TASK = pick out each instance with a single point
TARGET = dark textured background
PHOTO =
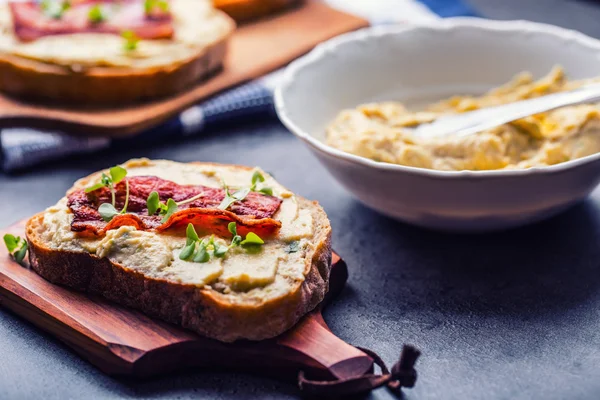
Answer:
(511, 315)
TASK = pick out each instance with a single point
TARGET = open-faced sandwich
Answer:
(223, 250)
(108, 51)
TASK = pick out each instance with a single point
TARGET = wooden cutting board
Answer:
(121, 341)
(255, 49)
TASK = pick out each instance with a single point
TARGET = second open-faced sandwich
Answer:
(223, 250)
(108, 51)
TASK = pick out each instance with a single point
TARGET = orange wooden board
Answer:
(122, 341)
(255, 49)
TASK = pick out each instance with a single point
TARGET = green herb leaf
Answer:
(219, 250)
(267, 190)
(105, 179)
(20, 254)
(11, 242)
(107, 211)
(237, 239)
(153, 203)
(257, 177)
(171, 208)
(96, 15)
(232, 198)
(232, 227)
(163, 5)
(95, 187)
(227, 201)
(191, 234)
(241, 194)
(187, 251)
(117, 173)
(293, 247)
(150, 5)
(131, 40)
(201, 255)
(252, 239)
(55, 9)
(17, 247)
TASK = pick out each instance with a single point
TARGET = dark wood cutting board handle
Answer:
(313, 339)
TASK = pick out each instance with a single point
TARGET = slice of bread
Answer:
(96, 69)
(242, 296)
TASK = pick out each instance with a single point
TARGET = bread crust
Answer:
(38, 81)
(202, 310)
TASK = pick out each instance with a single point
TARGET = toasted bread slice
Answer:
(242, 296)
(96, 69)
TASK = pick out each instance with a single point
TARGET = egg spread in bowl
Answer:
(379, 131)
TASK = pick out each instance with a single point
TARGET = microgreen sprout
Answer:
(257, 178)
(154, 204)
(131, 40)
(55, 9)
(115, 175)
(252, 240)
(239, 195)
(229, 199)
(17, 247)
(236, 239)
(151, 5)
(218, 249)
(96, 14)
(108, 211)
(252, 243)
(200, 250)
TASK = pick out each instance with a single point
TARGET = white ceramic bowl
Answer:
(422, 63)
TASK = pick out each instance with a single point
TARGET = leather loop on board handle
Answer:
(403, 374)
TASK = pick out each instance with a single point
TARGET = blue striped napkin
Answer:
(24, 147)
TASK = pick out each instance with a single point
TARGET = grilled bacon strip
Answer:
(30, 21)
(251, 214)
